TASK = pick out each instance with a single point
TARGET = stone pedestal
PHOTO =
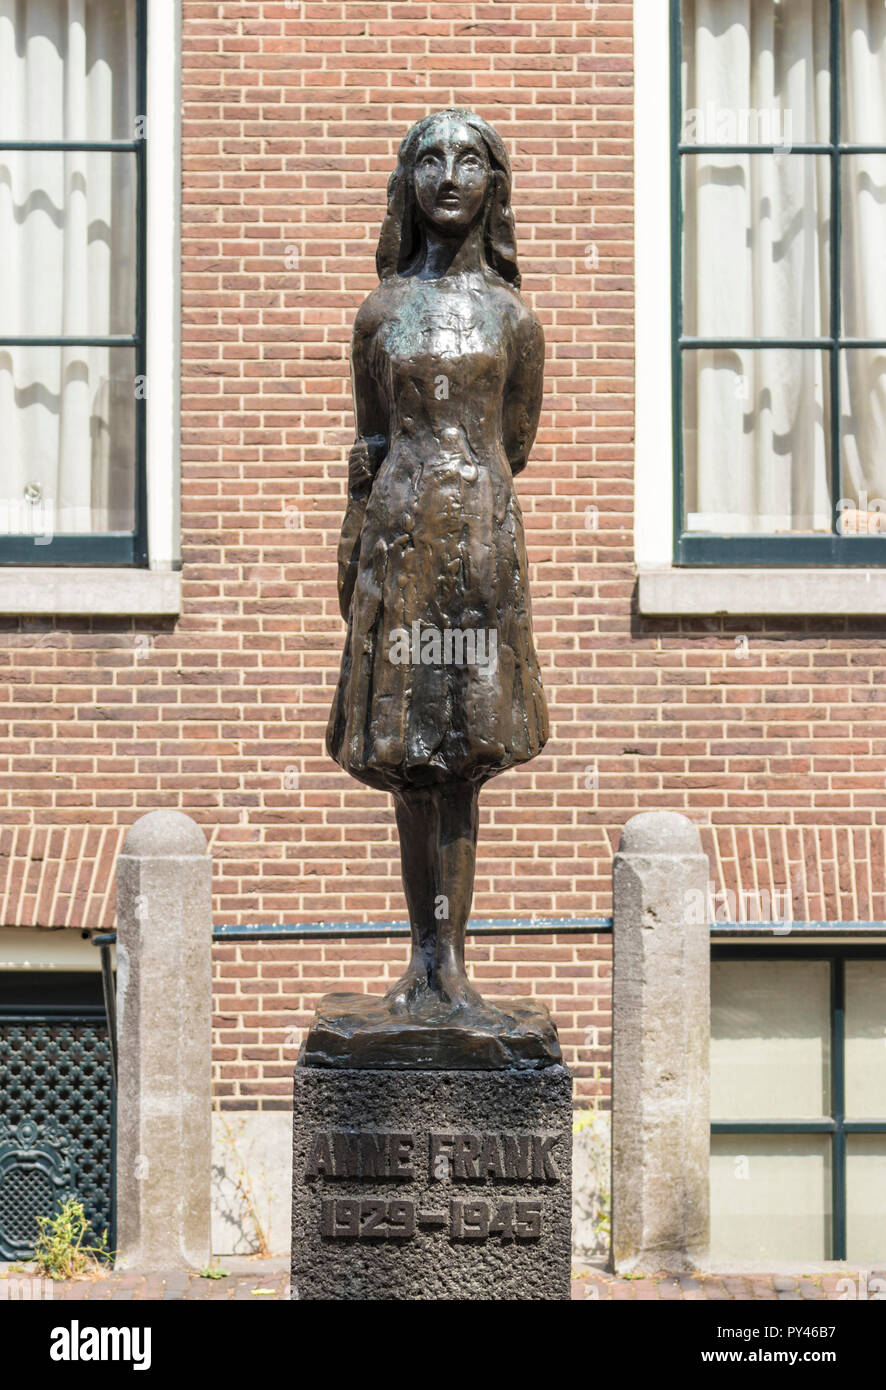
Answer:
(431, 1184)
(360, 1030)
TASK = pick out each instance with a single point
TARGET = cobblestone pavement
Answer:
(724, 1287)
(253, 1281)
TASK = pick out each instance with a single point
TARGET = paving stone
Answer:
(175, 1282)
(195, 1290)
(585, 1291)
(592, 1287)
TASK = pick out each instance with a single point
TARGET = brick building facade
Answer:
(769, 732)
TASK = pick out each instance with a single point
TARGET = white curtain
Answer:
(67, 266)
(756, 263)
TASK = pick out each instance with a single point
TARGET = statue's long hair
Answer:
(400, 238)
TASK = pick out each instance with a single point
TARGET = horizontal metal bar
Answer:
(490, 927)
(111, 341)
(108, 548)
(711, 344)
(822, 1126)
(87, 1013)
(756, 149)
(807, 949)
(794, 344)
(814, 148)
(502, 927)
(783, 930)
(69, 536)
(779, 551)
(72, 146)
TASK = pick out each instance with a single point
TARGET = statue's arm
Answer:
(364, 460)
(370, 409)
(523, 391)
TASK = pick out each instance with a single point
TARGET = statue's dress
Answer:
(441, 546)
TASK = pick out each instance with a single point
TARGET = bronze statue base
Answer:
(361, 1031)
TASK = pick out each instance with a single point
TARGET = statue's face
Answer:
(452, 174)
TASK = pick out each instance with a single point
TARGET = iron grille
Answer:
(56, 1126)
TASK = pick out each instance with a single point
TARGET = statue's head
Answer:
(452, 173)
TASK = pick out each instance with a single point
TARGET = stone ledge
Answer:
(89, 590)
(712, 592)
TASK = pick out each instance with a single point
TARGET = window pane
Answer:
(68, 232)
(756, 438)
(864, 72)
(864, 245)
(756, 72)
(770, 1040)
(67, 421)
(770, 1197)
(66, 80)
(865, 1204)
(756, 246)
(866, 1042)
(862, 502)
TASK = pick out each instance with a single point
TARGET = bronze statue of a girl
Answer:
(440, 686)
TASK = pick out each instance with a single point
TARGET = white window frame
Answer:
(156, 590)
(665, 589)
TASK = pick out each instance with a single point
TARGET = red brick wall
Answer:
(292, 115)
(292, 119)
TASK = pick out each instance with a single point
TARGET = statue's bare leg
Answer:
(458, 820)
(417, 826)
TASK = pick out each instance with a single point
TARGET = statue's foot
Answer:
(452, 987)
(410, 991)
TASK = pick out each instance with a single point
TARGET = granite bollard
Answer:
(660, 1047)
(164, 999)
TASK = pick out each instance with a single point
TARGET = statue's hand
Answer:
(364, 461)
